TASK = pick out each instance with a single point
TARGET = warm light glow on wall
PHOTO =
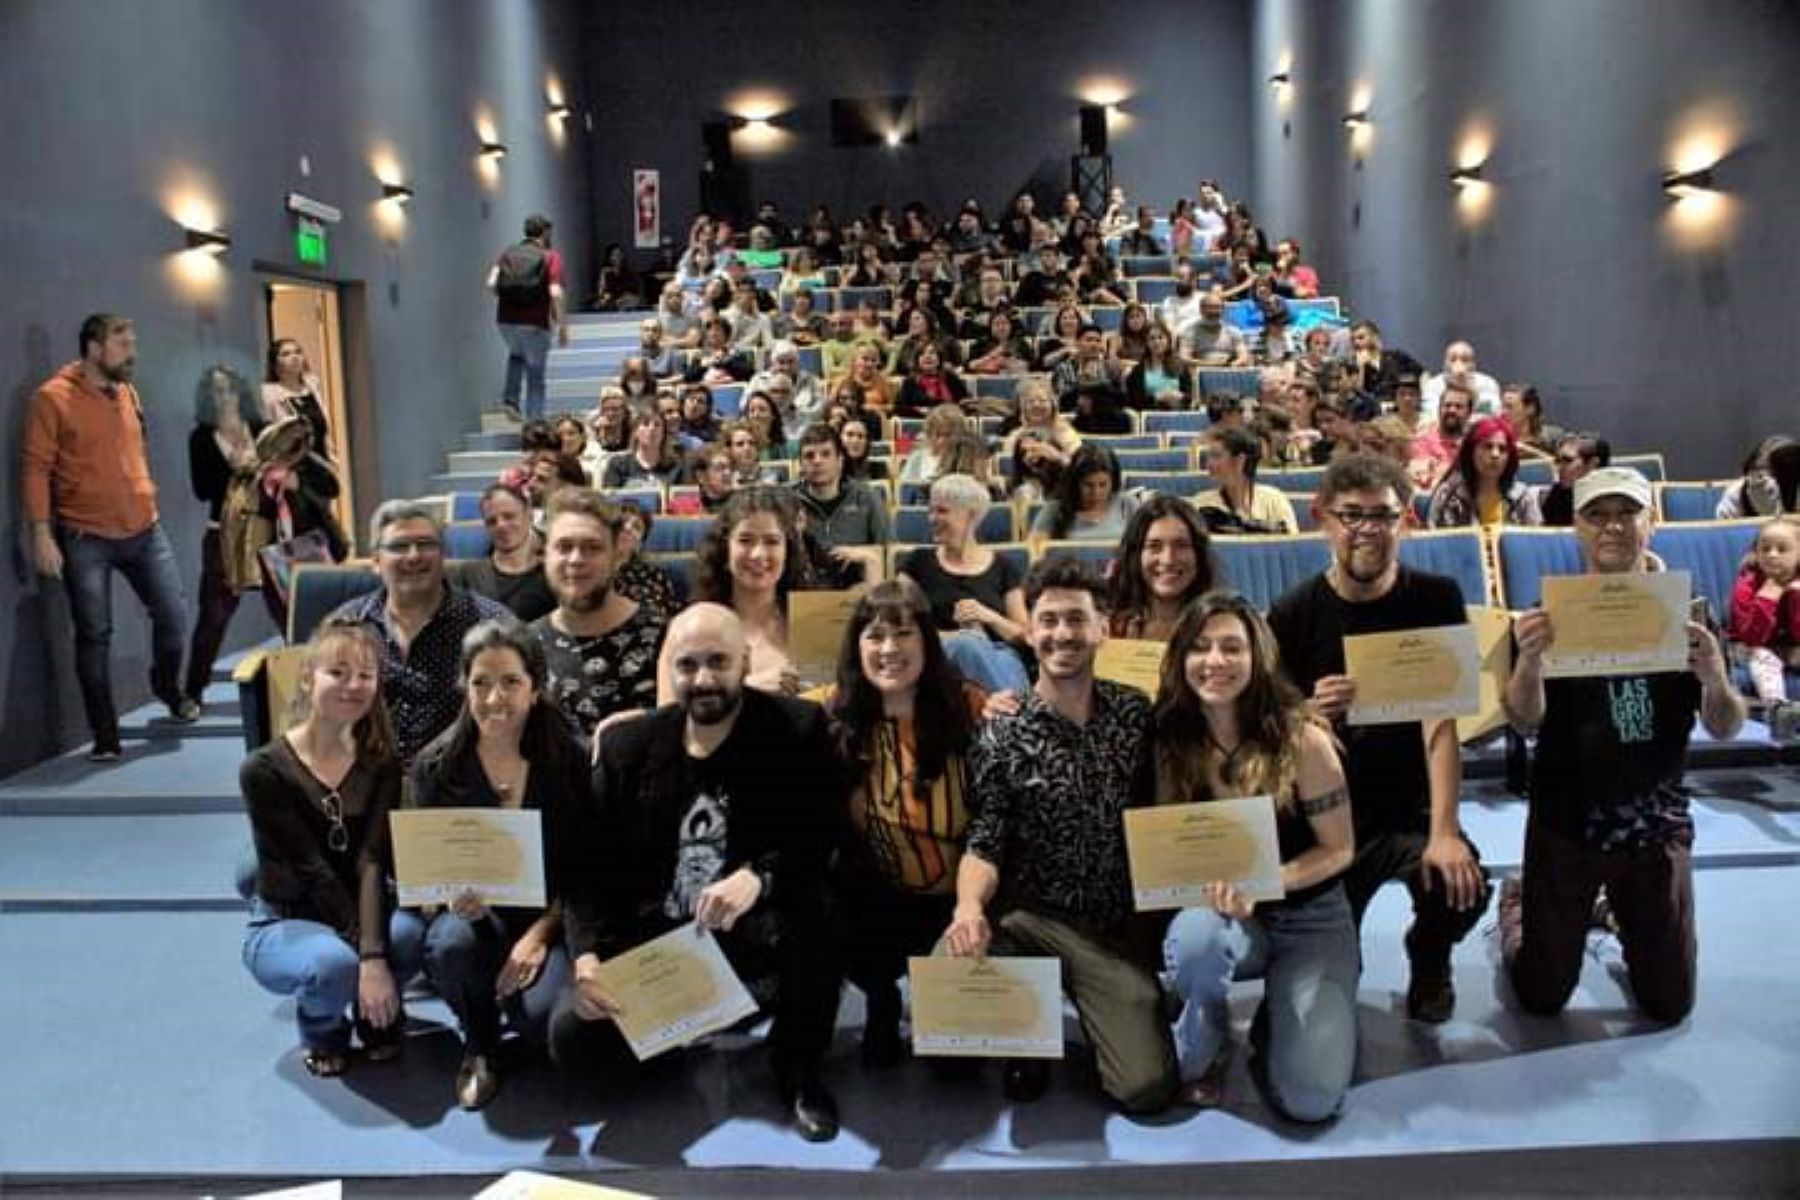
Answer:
(1474, 191)
(1109, 91)
(1358, 121)
(1282, 80)
(1701, 217)
(487, 133)
(196, 272)
(754, 130)
(556, 111)
(389, 211)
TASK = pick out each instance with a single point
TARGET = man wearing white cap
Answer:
(1607, 808)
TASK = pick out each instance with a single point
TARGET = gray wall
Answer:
(997, 87)
(115, 103)
(1633, 318)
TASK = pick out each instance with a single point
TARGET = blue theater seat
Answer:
(466, 539)
(1237, 381)
(1263, 569)
(1711, 551)
(1155, 460)
(1152, 290)
(1097, 555)
(1187, 422)
(676, 535)
(681, 568)
(1537, 471)
(849, 298)
(1296, 481)
(1185, 484)
(318, 588)
(1457, 553)
(1118, 443)
(1146, 264)
(997, 387)
(648, 500)
(1107, 316)
(1689, 501)
(465, 506)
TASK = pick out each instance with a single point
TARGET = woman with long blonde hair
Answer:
(1228, 724)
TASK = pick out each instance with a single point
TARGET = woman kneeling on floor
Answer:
(1227, 724)
(322, 929)
(508, 748)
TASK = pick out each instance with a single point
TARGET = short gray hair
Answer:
(961, 491)
(392, 512)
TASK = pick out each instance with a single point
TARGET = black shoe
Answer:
(814, 1111)
(1025, 1080)
(104, 751)
(1431, 995)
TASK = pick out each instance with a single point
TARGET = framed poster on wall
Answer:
(646, 205)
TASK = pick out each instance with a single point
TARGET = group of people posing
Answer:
(826, 829)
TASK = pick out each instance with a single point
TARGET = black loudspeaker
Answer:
(1093, 129)
(716, 137)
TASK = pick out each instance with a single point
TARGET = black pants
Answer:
(212, 617)
(883, 927)
(793, 943)
(1436, 926)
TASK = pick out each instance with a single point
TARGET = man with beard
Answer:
(1046, 849)
(1180, 308)
(1405, 779)
(513, 571)
(92, 508)
(1043, 283)
(1434, 451)
(1209, 341)
(717, 809)
(601, 645)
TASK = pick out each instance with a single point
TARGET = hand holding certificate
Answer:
(495, 853)
(1413, 675)
(1610, 624)
(672, 990)
(987, 1007)
(816, 624)
(1134, 662)
(1176, 850)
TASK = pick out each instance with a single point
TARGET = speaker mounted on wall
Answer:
(875, 121)
(1093, 130)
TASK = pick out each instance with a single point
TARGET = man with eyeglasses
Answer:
(1577, 454)
(1405, 779)
(421, 621)
(1607, 806)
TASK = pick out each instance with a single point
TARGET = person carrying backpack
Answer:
(527, 286)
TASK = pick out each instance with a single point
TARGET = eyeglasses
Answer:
(1614, 518)
(1371, 518)
(399, 549)
(1568, 460)
(337, 835)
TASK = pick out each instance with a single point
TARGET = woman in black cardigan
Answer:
(227, 418)
(510, 747)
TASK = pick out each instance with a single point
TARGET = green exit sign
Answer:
(309, 242)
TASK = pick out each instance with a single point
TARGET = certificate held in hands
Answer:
(987, 1007)
(496, 853)
(674, 989)
(1413, 675)
(1177, 849)
(816, 624)
(1617, 624)
(1134, 662)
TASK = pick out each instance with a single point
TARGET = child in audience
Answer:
(322, 929)
(1765, 620)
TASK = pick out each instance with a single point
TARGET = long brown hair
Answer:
(1270, 711)
(374, 732)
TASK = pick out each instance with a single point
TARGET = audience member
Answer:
(1002, 349)
(662, 357)
(1088, 505)
(420, 621)
(1483, 488)
(930, 384)
(1091, 384)
(1228, 724)
(227, 418)
(634, 576)
(857, 436)
(508, 749)
(802, 324)
(1164, 561)
(840, 512)
(1240, 504)
(1523, 409)
(680, 330)
(291, 389)
(528, 292)
(718, 810)
(750, 561)
(92, 508)
(1770, 484)
(1607, 806)
(1131, 341)
(1435, 452)
(513, 570)
(718, 360)
(974, 594)
(1764, 624)
(651, 461)
(1405, 778)
(1459, 367)
(1161, 378)
(1576, 455)
(1209, 341)
(865, 387)
(924, 462)
(1044, 870)
(1139, 239)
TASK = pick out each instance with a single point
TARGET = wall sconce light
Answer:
(892, 137)
(399, 193)
(1356, 120)
(493, 150)
(1464, 177)
(559, 110)
(1281, 79)
(1680, 184)
(207, 241)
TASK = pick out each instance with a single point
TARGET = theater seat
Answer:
(1712, 551)
(1527, 555)
(466, 539)
(648, 500)
(1296, 481)
(465, 506)
(1263, 569)
(1457, 553)
(1689, 501)
(1186, 422)
(1155, 460)
(1650, 466)
(1097, 555)
(1186, 484)
(1134, 265)
(681, 569)
(1152, 289)
(1537, 471)
(671, 535)
(913, 525)
(1120, 442)
(319, 588)
(1237, 381)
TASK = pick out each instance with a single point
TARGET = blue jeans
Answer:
(993, 665)
(1307, 956)
(312, 963)
(147, 562)
(527, 350)
(463, 961)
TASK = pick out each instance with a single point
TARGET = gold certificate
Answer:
(816, 624)
(1493, 639)
(1617, 624)
(1131, 661)
(987, 1007)
(1413, 675)
(530, 1185)
(1177, 849)
(497, 853)
(674, 989)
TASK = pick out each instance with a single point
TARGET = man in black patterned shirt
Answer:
(1047, 846)
(602, 647)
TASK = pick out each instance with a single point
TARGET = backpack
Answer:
(523, 273)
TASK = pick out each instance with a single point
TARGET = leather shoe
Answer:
(814, 1111)
(1026, 1079)
(477, 1080)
